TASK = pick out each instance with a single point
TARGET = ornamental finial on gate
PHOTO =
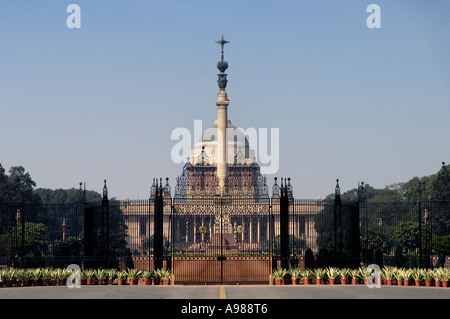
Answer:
(337, 190)
(105, 191)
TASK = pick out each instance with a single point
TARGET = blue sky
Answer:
(100, 102)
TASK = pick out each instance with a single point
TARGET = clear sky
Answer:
(100, 102)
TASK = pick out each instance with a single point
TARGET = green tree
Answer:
(406, 234)
(65, 196)
(34, 234)
(17, 186)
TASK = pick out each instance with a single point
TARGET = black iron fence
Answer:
(221, 233)
(33, 235)
(405, 234)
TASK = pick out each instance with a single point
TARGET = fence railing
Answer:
(397, 234)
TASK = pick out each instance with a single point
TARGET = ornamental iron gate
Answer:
(221, 239)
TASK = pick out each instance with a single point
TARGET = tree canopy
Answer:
(433, 187)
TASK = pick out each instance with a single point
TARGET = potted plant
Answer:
(83, 280)
(35, 275)
(332, 274)
(416, 274)
(278, 275)
(147, 277)
(388, 274)
(364, 274)
(307, 275)
(344, 274)
(320, 274)
(407, 274)
(427, 276)
(90, 276)
(45, 276)
(19, 277)
(436, 273)
(399, 275)
(111, 275)
(445, 277)
(295, 273)
(133, 275)
(9, 276)
(164, 275)
(2, 278)
(100, 274)
(354, 274)
(61, 275)
(53, 274)
(121, 277)
(26, 277)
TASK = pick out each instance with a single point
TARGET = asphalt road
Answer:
(249, 292)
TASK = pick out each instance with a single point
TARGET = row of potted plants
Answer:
(15, 277)
(388, 275)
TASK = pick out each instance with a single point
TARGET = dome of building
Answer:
(238, 145)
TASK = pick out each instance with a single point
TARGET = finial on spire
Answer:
(222, 65)
(222, 42)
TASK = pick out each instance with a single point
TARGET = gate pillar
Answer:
(284, 227)
(158, 227)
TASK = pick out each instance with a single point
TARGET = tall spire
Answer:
(222, 120)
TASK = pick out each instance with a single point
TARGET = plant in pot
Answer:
(9, 277)
(364, 274)
(407, 275)
(344, 274)
(61, 275)
(416, 274)
(445, 277)
(354, 274)
(319, 274)
(45, 276)
(35, 276)
(83, 280)
(19, 277)
(53, 277)
(121, 277)
(2, 278)
(398, 276)
(26, 277)
(295, 273)
(278, 275)
(332, 274)
(111, 275)
(147, 277)
(164, 275)
(133, 275)
(436, 273)
(100, 275)
(307, 275)
(388, 274)
(89, 275)
(427, 275)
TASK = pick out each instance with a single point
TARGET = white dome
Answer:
(238, 145)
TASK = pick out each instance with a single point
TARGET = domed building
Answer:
(221, 206)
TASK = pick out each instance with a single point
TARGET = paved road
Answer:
(226, 292)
